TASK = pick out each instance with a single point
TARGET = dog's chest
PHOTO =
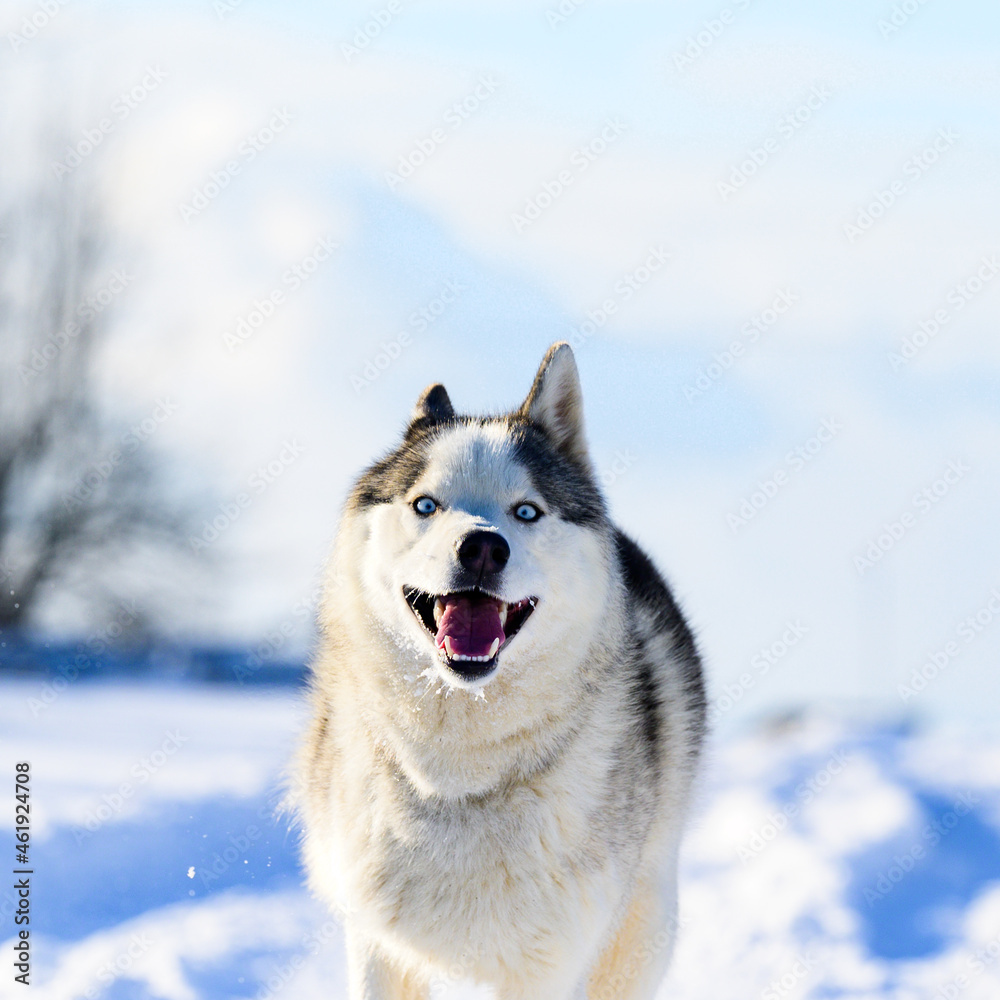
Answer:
(483, 881)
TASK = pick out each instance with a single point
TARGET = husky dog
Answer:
(508, 709)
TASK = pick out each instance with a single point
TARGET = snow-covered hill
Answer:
(828, 859)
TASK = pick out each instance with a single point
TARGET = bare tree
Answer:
(77, 496)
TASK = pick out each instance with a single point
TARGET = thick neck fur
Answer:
(450, 742)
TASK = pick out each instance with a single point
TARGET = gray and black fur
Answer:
(523, 821)
(566, 480)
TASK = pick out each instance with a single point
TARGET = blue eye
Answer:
(527, 512)
(424, 506)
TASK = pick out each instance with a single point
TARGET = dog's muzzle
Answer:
(469, 627)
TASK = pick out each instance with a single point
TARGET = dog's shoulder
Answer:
(650, 593)
(658, 617)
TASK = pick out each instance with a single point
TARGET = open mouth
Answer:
(469, 627)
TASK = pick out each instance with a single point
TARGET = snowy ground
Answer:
(828, 859)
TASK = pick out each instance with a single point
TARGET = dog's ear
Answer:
(432, 406)
(555, 402)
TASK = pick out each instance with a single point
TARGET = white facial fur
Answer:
(477, 483)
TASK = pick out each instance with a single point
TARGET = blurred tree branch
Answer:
(73, 496)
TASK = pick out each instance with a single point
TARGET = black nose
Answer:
(484, 552)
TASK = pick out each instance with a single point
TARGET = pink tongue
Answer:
(472, 624)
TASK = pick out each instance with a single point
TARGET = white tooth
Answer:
(447, 646)
(503, 615)
(493, 649)
(438, 610)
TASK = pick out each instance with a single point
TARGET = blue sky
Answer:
(879, 105)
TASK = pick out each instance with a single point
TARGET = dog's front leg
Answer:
(566, 984)
(634, 960)
(372, 976)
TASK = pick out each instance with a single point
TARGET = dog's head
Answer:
(482, 540)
